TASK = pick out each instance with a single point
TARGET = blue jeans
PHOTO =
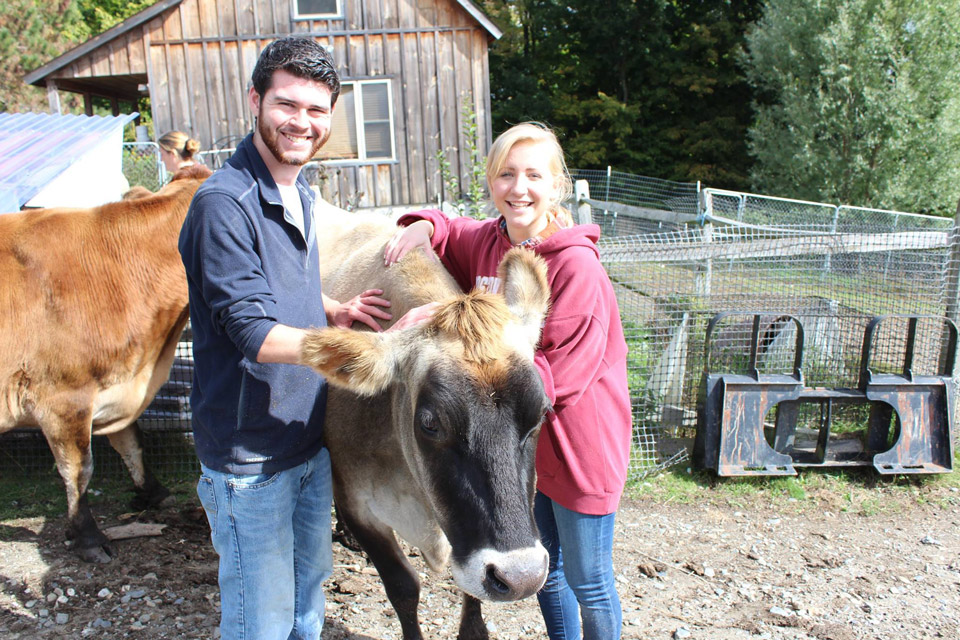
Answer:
(580, 582)
(272, 533)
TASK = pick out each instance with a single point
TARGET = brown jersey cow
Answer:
(93, 303)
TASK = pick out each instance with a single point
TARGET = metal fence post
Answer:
(952, 278)
(581, 193)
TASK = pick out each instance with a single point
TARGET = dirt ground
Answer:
(820, 568)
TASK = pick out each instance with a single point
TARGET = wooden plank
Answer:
(391, 14)
(100, 62)
(209, 18)
(282, 11)
(447, 100)
(416, 147)
(245, 13)
(267, 23)
(226, 18)
(464, 83)
(374, 54)
(121, 55)
(250, 51)
(393, 61)
(234, 88)
(407, 14)
(137, 51)
(382, 188)
(180, 89)
(373, 14)
(172, 26)
(367, 185)
(161, 97)
(431, 115)
(190, 19)
(214, 86)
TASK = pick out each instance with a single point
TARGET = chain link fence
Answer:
(832, 267)
(142, 165)
(678, 254)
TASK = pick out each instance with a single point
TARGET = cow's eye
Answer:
(428, 424)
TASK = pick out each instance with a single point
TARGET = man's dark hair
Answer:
(298, 56)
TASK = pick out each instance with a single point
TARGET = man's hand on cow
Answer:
(364, 308)
(417, 315)
(416, 235)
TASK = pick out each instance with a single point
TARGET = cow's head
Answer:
(467, 403)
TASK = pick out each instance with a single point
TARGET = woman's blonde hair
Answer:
(532, 132)
(181, 143)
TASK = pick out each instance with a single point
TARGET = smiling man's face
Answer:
(293, 118)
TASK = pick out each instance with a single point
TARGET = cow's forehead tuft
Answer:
(477, 321)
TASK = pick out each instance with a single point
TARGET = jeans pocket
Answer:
(208, 500)
(252, 482)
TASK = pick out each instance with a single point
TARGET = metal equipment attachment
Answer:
(733, 440)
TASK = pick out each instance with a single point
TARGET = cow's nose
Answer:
(516, 575)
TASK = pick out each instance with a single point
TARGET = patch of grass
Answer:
(860, 491)
(42, 495)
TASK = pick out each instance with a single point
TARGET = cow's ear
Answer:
(355, 360)
(525, 287)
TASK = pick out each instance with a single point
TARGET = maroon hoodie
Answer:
(584, 445)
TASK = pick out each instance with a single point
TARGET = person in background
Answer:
(584, 445)
(177, 150)
(249, 247)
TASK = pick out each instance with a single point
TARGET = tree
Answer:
(647, 86)
(857, 102)
(33, 33)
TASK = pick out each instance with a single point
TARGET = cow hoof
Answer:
(99, 554)
(143, 500)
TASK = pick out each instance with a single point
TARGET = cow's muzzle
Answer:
(502, 576)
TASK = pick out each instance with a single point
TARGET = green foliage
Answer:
(857, 102)
(33, 33)
(647, 86)
(470, 198)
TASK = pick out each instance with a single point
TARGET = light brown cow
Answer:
(93, 303)
(441, 447)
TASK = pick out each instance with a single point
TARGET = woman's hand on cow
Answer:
(407, 238)
(417, 315)
(364, 308)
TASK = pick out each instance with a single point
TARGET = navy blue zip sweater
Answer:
(249, 268)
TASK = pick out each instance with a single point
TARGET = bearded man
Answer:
(249, 246)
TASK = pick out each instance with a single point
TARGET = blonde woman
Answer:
(584, 444)
(177, 150)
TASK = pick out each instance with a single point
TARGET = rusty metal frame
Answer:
(732, 441)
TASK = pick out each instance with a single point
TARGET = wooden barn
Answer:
(408, 69)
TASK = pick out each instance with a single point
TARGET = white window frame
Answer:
(358, 124)
(316, 16)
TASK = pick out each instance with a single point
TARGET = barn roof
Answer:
(35, 148)
(39, 76)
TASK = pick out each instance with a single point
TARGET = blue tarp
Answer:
(35, 148)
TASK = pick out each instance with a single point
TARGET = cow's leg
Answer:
(148, 492)
(399, 578)
(70, 444)
(472, 626)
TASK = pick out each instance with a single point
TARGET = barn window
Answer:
(362, 127)
(317, 8)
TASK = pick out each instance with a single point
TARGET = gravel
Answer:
(811, 570)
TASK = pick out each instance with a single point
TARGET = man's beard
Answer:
(270, 139)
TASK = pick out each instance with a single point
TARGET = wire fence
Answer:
(678, 254)
(142, 165)
(832, 267)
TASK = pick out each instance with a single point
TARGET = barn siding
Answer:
(199, 55)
